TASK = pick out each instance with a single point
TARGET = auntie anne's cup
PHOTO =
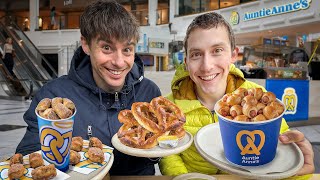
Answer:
(250, 143)
(55, 138)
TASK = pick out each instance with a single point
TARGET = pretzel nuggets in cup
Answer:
(55, 121)
(146, 122)
(250, 129)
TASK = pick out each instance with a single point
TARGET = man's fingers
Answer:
(308, 154)
(291, 136)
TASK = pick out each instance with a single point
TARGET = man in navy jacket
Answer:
(105, 77)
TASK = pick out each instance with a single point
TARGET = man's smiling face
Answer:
(209, 56)
(111, 61)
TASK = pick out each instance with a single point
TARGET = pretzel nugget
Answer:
(55, 101)
(279, 107)
(35, 160)
(95, 142)
(69, 104)
(74, 157)
(16, 171)
(96, 155)
(49, 114)
(44, 172)
(43, 104)
(77, 143)
(62, 111)
(16, 159)
(258, 118)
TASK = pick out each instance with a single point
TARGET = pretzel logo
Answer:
(53, 146)
(250, 148)
(290, 99)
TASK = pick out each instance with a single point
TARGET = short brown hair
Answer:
(208, 21)
(108, 19)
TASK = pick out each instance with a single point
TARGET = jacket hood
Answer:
(81, 66)
(183, 87)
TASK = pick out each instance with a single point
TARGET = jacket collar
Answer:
(183, 87)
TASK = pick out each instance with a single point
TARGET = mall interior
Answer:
(278, 46)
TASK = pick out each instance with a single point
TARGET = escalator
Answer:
(30, 64)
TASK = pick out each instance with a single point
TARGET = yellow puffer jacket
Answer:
(197, 116)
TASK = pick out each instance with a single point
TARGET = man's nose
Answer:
(118, 59)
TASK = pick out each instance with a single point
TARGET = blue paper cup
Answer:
(55, 138)
(250, 143)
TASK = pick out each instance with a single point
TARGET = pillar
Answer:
(34, 14)
(152, 8)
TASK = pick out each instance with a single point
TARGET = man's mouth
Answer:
(115, 72)
(208, 78)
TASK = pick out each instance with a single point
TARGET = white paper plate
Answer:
(288, 160)
(183, 144)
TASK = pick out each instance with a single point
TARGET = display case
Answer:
(276, 62)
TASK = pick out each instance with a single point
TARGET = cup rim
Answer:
(56, 120)
(259, 122)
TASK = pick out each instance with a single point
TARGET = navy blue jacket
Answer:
(95, 107)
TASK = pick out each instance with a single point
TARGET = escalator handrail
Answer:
(42, 57)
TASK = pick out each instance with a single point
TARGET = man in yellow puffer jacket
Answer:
(207, 74)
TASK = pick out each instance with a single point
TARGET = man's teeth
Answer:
(208, 78)
(115, 72)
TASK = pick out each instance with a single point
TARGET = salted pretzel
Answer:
(132, 134)
(146, 117)
(168, 113)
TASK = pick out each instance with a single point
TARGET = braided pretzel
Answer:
(146, 117)
(165, 110)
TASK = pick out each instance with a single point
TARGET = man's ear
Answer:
(234, 56)
(185, 63)
(85, 45)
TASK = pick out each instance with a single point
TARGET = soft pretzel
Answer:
(256, 92)
(168, 113)
(146, 117)
(179, 132)
(268, 97)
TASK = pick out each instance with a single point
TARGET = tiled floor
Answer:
(11, 113)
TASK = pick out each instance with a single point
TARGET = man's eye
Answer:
(195, 55)
(218, 50)
(108, 48)
(128, 51)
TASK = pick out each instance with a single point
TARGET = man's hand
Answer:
(304, 145)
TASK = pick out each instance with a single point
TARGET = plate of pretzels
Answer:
(152, 129)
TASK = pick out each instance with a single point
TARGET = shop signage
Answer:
(156, 45)
(234, 18)
(276, 10)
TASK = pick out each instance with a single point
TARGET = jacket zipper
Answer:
(116, 97)
(89, 131)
